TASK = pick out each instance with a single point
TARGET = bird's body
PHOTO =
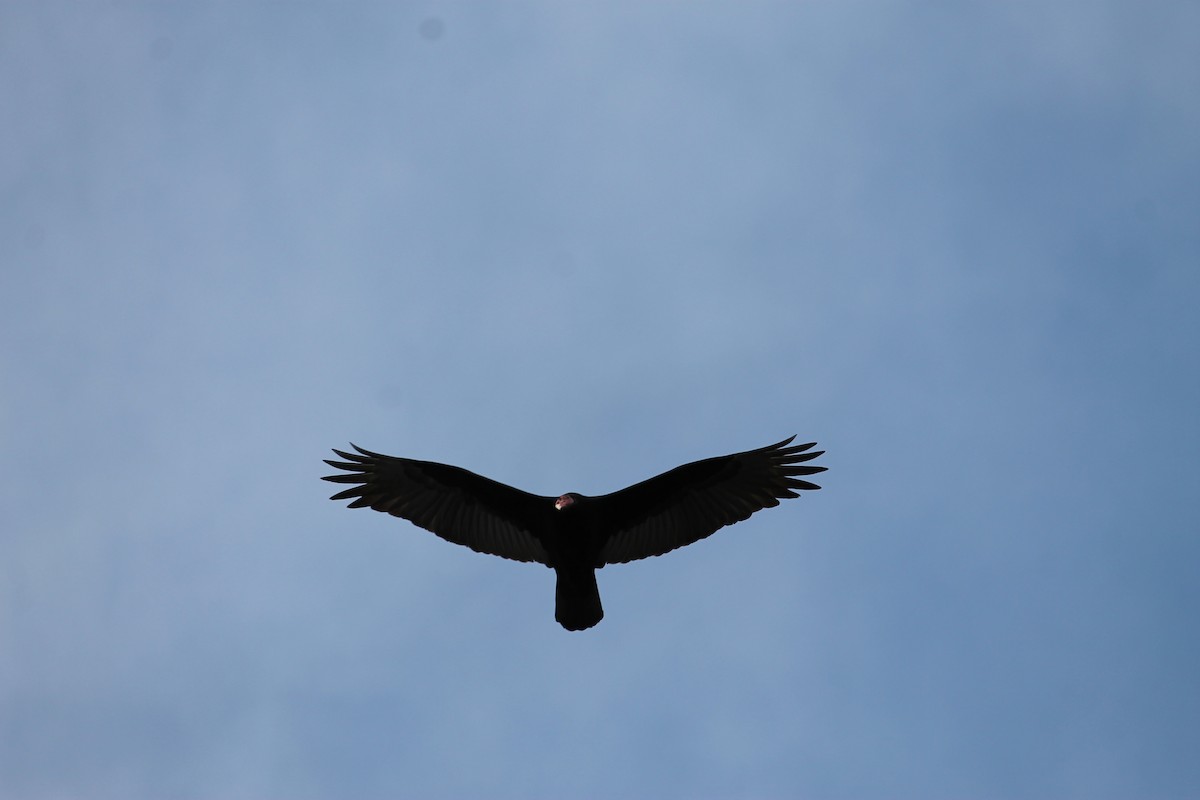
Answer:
(574, 534)
(576, 540)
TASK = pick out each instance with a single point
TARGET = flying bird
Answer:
(574, 534)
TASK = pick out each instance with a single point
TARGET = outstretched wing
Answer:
(457, 505)
(696, 500)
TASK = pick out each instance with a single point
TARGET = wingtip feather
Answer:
(346, 465)
(356, 477)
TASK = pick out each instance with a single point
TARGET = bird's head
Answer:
(566, 501)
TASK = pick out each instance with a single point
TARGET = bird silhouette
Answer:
(575, 534)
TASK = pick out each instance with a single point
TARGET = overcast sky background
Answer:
(570, 246)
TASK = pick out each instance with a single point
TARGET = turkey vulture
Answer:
(574, 534)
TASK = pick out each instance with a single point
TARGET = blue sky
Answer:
(569, 246)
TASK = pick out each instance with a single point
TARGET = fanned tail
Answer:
(577, 599)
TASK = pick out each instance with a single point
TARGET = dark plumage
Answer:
(574, 534)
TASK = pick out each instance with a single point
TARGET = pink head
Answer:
(564, 501)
